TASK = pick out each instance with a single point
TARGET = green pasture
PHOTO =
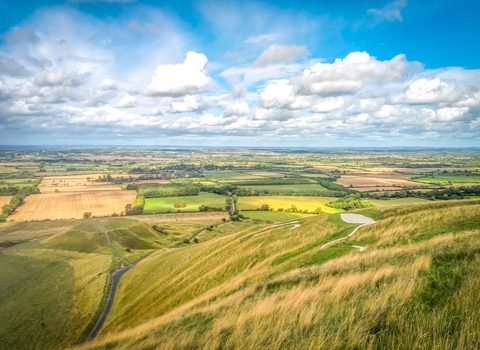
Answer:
(159, 205)
(8, 170)
(301, 187)
(396, 202)
(448, 179)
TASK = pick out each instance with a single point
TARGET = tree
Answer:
(128, 208)
(87, 215)
(265, 207)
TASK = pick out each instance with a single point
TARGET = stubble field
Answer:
(74, 183)
(72, 205)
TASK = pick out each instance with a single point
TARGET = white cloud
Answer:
(350, 74)
(391, 11)
(428, 91)
(235, 103)
(280, 53)
(127, 102)
(328, 104)
(282, 95)
(189, 104)
(450, 114)
(61, 77)
(187, 78)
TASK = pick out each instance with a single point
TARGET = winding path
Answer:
(352, 219)
(116, 276)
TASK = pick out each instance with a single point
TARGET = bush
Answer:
(186, 241)
(195, 240)
(180, 204)
(87, 215)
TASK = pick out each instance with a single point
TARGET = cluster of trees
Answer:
(221, 190)
(350, 202)
(444, 194)
(105, 178)
(168, 191)
(206, 208)
(133, 210)
(244, 192)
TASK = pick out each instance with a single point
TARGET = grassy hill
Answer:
(54, 274)
(262, 287)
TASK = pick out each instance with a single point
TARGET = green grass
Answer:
(36, 298)
(273, 216)
(273, 287)
(398, 202)
(229, 175)
(441, 179)
(301, 187)
(275, 202)
(159, 205)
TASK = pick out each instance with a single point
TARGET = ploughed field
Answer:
(72, 205)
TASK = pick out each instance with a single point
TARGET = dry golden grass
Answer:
(72, 205)
(362, 300)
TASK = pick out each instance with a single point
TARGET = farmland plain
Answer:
(72, 205)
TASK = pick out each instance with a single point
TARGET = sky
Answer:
(319, 73)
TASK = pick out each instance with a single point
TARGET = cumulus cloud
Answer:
(9, 66)
(187, 78)
(328, 104)
(190, 103)
(428, 91)
(235, 103)
(391, 11)
(282, 95)
(280, 53)
(350, 74)
(127, 102)
(61, 77)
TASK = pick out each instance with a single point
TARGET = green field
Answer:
(160, 205)
(275, 202)
(397, 202)
(445, 180)
(300, 187)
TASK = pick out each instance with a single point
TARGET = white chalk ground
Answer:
(356, 219)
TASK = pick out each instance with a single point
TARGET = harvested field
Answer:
(364, 181)
(72, 205)
(74, 183)
(4, 200)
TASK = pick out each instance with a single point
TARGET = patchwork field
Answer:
(309, 203)
(365, 181)
(4, 200)
(75, 183)
(72, 205)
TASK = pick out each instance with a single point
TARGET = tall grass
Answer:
(415, 287)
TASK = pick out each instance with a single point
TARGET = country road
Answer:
(116, 276)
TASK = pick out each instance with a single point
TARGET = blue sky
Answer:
(324, 73)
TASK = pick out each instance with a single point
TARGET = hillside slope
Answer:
(414, 287)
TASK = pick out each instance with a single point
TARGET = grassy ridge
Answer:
(415, 287)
